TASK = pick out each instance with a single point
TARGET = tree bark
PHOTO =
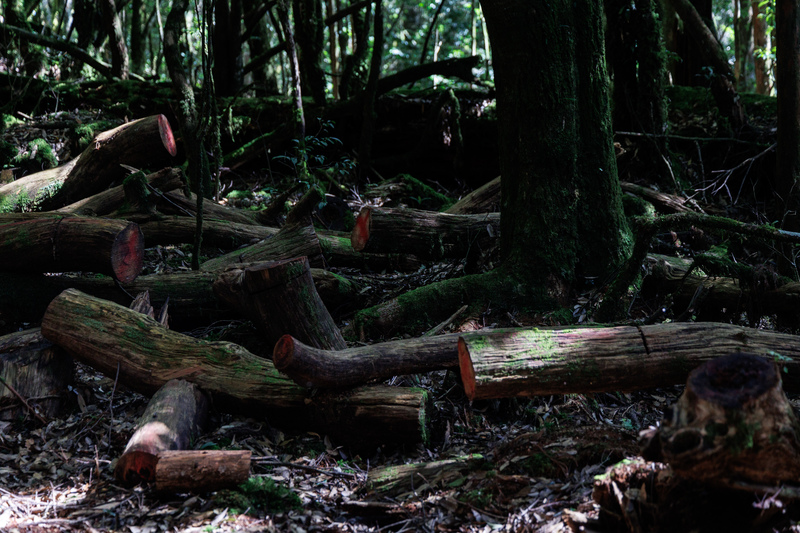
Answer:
(108, 201)
(426, 234)
(68, 244)
(280, 298)
(787, 82)
(392, 481)
(37, 371)
(484, 199)
(312, 367)
(144, 142)
(291, 241)
(457, 67)
(175, 415)
(201, 470)
(760, 49)
(528, 362)
(116, 39)
(120, 342)
(732, 422)
(227, 39)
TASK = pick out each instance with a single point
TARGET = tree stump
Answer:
(732, 423)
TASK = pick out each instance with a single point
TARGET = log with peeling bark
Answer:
(201, 470)
(528, 362)
(34, 375)
(57, 243)
(147, 142)
(484, 199)
(313, 367)
(291, 241)
(176, 414)
(280, 298)
(142, 355)
(663, 202)
(419, 477)
(108, 201)
(426, 234)
(732, 422)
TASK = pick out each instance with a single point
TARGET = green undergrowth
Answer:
(259, 494)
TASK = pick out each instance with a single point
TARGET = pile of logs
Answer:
(312, 379)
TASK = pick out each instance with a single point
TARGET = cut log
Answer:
(528, 362)
(312, 367)
(177, 203)
(733, 422)
(108, 201)
(201, 470)
(280, 298)
(192, 302)
(176, 414)
(69, 244)
(484, 199)
(291, 241)
(143, 355)
(34, 374)
(29, 191)
(147, 142)
(420, 477)
(426, 234)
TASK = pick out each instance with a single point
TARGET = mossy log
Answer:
(108, 201)
(142, 355)
(663, 202)
(201, 470)
(177, 203)
(144, 143)
(295, 240)
(28, 191)
(192, 302)
(175, 415)
(484, 199)
(50, 243)
(426, 234)
(528, 362)
(420, 477)
(280, 298)
(309, 366)
(732, 422)
(37, 371)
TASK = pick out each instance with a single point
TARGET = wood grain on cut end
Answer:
(127, 254)
(136, 467)
(360, 235)
(283, 352)
(467, 370)
(166, 135)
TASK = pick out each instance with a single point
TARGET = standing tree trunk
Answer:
(742, 43)
(227, 39)
(309, 37)
(787, 79)
(760, 49)
(138, 35)
(116, 40)
(561, 202)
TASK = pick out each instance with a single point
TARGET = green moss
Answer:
(259, 494)
(38, 155)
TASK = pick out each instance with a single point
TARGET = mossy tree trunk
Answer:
(787, 79)
(309, 32)
(561, 202)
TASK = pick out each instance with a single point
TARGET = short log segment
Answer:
(201, 470)
(113, 339)
(528, 362)
(176, 414)
(426, 234)
(312, 367)
(68, 244)
(147, 142)
(484, 199)
(34, 374)
(280, 298)
(732, 423)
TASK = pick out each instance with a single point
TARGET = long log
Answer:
(177, 203)
(108, 201)
(732, 422)
(68, 244)
(426, 234)
(280, 298)
(147, 142)
(120, 342)
(313, 367)
(528, 362)
(291, 241)
(201, 470)
(34, 374)
(484, 199)
(175, 415)
(29, 191)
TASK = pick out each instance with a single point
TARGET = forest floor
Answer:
(540, 456)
